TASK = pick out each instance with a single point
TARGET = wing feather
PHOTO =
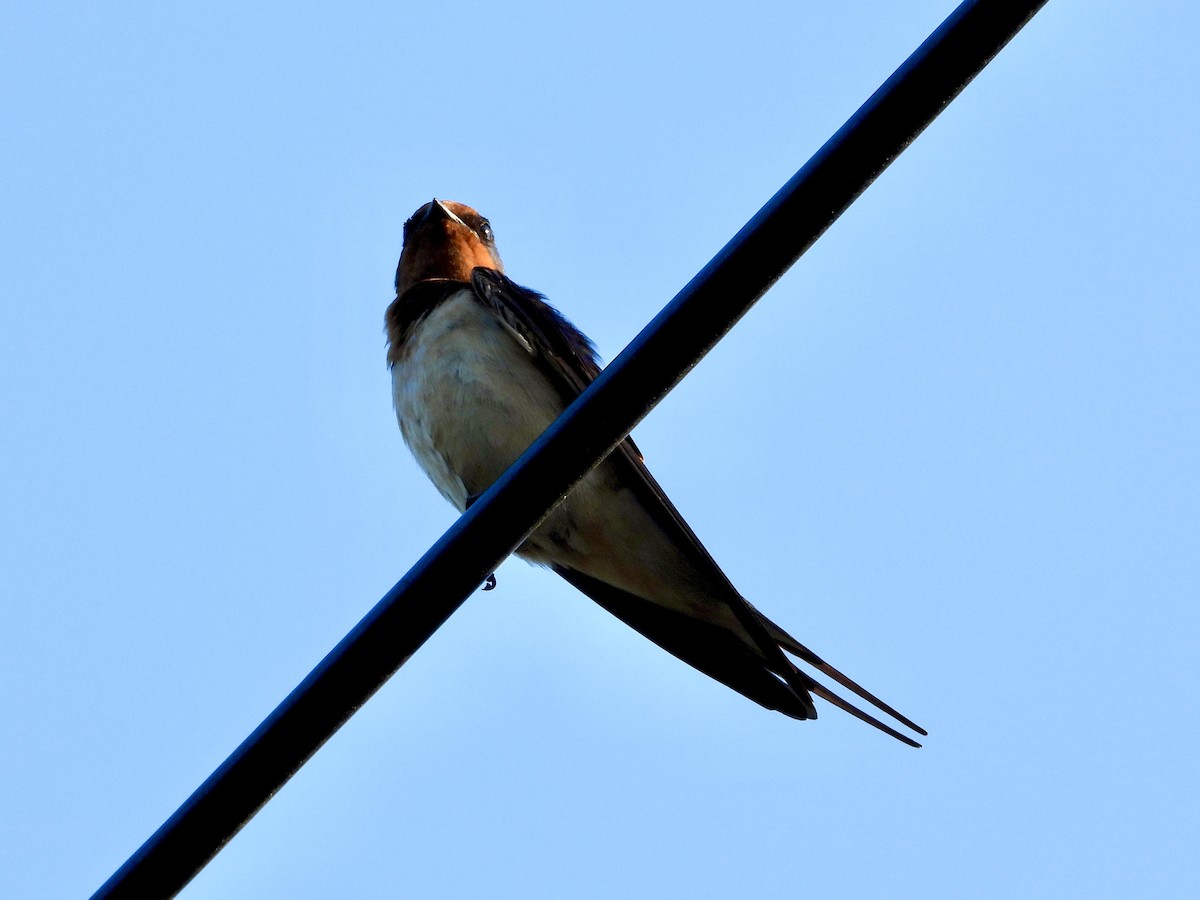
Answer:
(768, 677)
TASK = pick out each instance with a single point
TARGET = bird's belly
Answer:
(468, 397)
(470, 400)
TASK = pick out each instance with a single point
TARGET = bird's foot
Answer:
(489, 583)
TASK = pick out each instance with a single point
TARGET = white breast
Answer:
(468, 397)
(470, 401)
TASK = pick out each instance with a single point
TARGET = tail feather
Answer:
(771, 681)
(794, 647)
(829, 696)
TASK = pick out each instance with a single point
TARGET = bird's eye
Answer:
(485, 232)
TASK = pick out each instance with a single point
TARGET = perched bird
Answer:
(480, 367)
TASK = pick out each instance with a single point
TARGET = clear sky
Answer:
(954, 449)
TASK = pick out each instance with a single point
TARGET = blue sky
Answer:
(954, 449)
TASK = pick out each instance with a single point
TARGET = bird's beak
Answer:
(437, 211)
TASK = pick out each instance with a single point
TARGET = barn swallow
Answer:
(480, 367)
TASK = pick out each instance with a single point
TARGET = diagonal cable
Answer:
(678, 337)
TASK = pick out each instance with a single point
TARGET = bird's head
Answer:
(444, 241)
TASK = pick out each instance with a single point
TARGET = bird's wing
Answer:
(568, 358)
(714, 650)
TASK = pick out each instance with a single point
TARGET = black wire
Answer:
(630, 387)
